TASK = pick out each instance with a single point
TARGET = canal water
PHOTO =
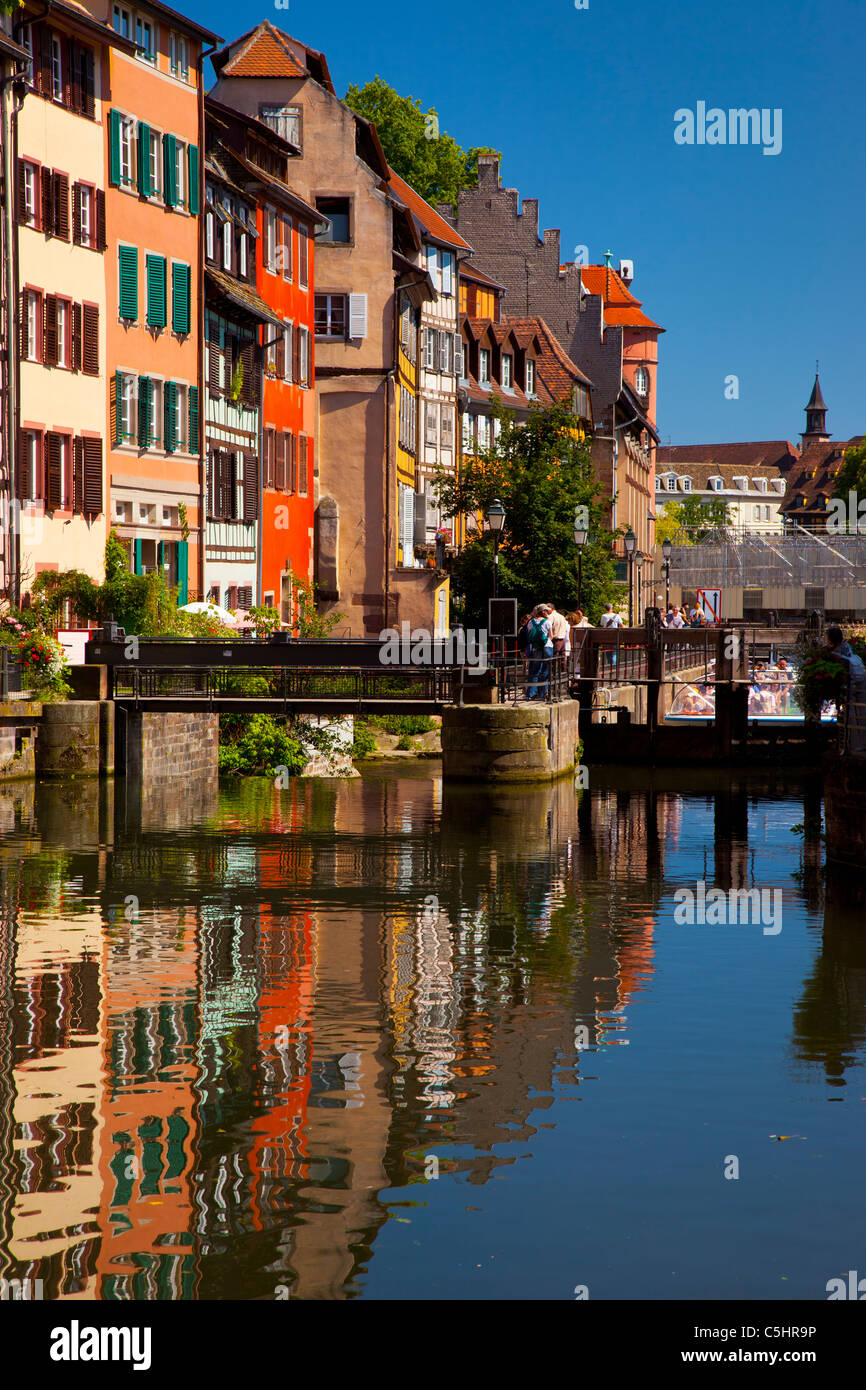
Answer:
(385, 1038)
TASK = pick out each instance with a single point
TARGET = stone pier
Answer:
(509, 743)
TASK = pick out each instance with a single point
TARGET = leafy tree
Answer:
(692, 520)
(669, 525)
(427, 158)
(540, 472)
(851, 476)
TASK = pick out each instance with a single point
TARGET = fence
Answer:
(10, 675)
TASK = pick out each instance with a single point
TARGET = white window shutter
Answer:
(357, 316)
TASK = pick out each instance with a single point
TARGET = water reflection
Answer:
(222, 1046)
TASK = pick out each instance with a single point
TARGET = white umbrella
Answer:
(213, 610)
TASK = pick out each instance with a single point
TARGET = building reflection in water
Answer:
(222, 1043)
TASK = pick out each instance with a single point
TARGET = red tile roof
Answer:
(432, 221)
(621, 309)
(555, 370)
(772, 453)
(479, 277)
(266, 51)
(813, 476)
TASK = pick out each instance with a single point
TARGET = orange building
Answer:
(153, 262)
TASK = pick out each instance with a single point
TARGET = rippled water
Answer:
(385, 1038)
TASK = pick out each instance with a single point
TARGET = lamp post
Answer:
(629, 540)
(580, 536)
(496, 521)
(666, 552)
(638, 564)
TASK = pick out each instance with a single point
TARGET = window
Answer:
(286, 249)
(671, 483)
(58, 471)
(484, 431)
(128, 282)
(27, 42)
(431, 423)
(433, 265)
(447, 427)
(459, 357)
(716, 484)
(120, 21)
(64, 324)
(304, 356)
(56, 69)
(32, 326)
(330, 316)
(180, 158)
(209, 235)
(687, 484)
(304, 451)
(125, 407)
(29, 192)
(641, 381)
(270, 250)
(446, 262)
(243, 260)
(484, 366)
(507, 370)
(766, 513)
(338, 213)
(468, 437)
(287, 352)
(756, 513)
(227, 245)
(145, 39)
(285, 120)
(446, 349)
(530, 377)
(85, 209)
(178, 55)
(124, 143)
(153, 164)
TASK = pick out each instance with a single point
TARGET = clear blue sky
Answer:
(755, 264)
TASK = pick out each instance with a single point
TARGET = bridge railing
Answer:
(282, 683)
(515, 676)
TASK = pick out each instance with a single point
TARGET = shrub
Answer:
(404, 723)
(257, 745)
(364, 741)
(404, 743)
(44, 665)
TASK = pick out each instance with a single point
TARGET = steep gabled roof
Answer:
(814, 474)
(621, 309)
(266, 51)
(555, 369)
(432, 223)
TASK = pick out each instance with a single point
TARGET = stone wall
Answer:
(18, 725)
(68, 741)
(845, 809)
(509, 743)
(174, 746)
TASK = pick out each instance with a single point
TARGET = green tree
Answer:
(692, 520)
(851, 476)
(427, 158)
(540, 472)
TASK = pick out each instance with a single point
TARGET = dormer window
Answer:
(484, 366)
(530, 377)
(507, 371)
(760, 484)
(779, 484)
(742, 484)
(686, 484)
(671, 482)
(716, 484)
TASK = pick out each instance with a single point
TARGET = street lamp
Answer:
(580, 537)
(496, 521)
(629, 540)
(666, 552)
(638, 564)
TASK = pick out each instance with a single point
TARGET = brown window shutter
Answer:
(44, 58)
(251, 487)
(293, 463)
(78, 474)
(213, 366)
(22, 325)
(87, 63)
(281, 357)
(54, 490)
(47, 200)
(90, 340)
(76, 214)
(92, 477)
(296, 354)
(100, 220)
(71, 79)
(50, 337)
(20, 207)
(303, 485)
(61, 206)
(76, 338)
(250, 387)
(21, 488)
(279, 445)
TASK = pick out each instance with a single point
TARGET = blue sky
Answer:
(754, 264)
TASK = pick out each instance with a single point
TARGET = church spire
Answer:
(816, 415)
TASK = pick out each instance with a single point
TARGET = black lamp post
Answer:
(580, 537)
(666, 552)
(629, 540)
(496, 521)
(638, 564)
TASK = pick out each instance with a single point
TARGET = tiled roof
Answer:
(435, 225)
(621, 309)
(556, 372)
(779, 454)
(468, 271)
(242, 295)
(700, 473)
(813, 475)
(264, 55)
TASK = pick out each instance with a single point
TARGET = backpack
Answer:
(536, 635)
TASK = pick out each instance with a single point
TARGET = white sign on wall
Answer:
(710, 604)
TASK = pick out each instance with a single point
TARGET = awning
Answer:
(241, 296)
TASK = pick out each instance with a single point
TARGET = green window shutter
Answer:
(192, 446)
(114, 146)
(145, 412)
(169, 183)
(117, 432)
(170, 413)
(156, 292)
(182, 572)
(180, 305)
(192, 155)
(144, 187)
(128, 268)
(137, 565)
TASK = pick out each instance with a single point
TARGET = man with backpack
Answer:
(540, 647)
(609, 618)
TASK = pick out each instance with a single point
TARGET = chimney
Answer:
(626, 272)
(488, 171)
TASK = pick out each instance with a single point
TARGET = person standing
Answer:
(609, 618)
(540, 651)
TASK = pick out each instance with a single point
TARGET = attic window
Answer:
(285, 120)
(337, 211)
